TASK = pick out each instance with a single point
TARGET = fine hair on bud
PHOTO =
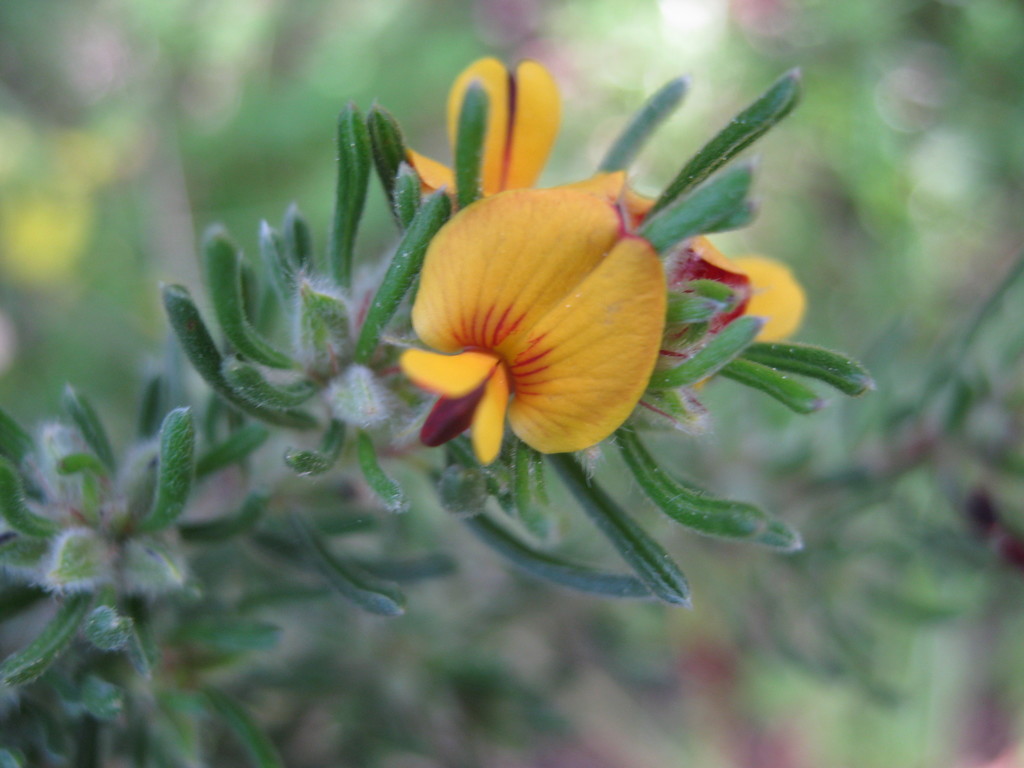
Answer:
(79, 561)
(360, 399)
(322, 326)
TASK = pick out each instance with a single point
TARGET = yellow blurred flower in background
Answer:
(47, 201)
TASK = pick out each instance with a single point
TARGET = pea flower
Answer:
(524, 112)
(766, 288)
(541, 307)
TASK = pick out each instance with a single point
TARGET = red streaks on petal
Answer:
(523, 374)
(481, 340)
(519, 363)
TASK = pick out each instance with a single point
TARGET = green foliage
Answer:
(160, 583)
(654, 112)
(469, 144)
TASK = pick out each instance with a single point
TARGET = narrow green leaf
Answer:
(402, 272)
(224, 528)
(298, 239)
(714, 290)
(88, 422)
(349, 580)
(309, 463)
(652, 114)
(15, 442)
(79, 463)
(790, 393)
(527, 478)
(177, 468)
(715, 206)
(195, 340)
(648, 559)
(34, 659)
(223, 271)
(408, 569)
(545, 566)
(354, 159)
(744, 129)
(408, 195)
(833, 368)
(14, 508)
(231, 635)
(388, 147)
(698, 510)
(383, 485)
(238, 445)
(279, 268)
(250, 384)
(262, 752)
(469, 144)
(723, 347)
(142, 650)
(9, 759)
(153, 405)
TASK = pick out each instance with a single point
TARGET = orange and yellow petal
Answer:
(536, 114)
(705, 249)
(523, 114)
(500, 265)
(448, 375)
(613, 187)
(585, 364)
(494, 78)
(775, 295)
(489, 419)
(433, 175)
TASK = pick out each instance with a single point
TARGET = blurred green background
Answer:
(894, 191)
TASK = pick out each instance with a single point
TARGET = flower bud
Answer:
(79, 560)
(322, 328)
(359, 398)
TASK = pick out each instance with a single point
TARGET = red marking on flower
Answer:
(506, 160)
(487, 319)
(692, 266)
(528, 347)
(658, 411)
(520, 375)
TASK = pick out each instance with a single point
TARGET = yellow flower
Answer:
(524, 112)
(767, 287)
(543, 308)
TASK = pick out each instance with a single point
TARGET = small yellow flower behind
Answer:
(768, 288)
(524, 111)
(540, 296)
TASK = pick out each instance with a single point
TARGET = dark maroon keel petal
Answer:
(450, 417)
